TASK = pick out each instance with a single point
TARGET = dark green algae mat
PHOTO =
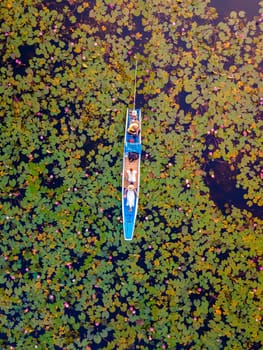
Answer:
(192, 276)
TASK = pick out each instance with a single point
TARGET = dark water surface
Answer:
(190, 279)
(226, 6)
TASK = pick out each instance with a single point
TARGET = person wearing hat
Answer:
(130, 194)
(134, 127)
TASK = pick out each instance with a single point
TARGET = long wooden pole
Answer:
(135, 82)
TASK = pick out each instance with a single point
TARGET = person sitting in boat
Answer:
(133, 114)
(131, 175)
(130, 194)
(134, 127)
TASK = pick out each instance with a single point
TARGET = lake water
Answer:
(225, 7)
(191, 277)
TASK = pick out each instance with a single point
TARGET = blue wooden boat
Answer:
(131, 171)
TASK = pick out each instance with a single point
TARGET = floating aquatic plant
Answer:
(192, 276)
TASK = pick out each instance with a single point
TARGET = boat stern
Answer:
(128, 231)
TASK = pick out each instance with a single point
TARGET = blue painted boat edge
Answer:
(129, 227)
(128, 232)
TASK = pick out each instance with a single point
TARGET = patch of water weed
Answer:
(191, 277)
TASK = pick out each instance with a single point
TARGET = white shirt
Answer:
(130, 198)
(132, 175)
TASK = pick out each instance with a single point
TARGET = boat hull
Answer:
(132, 146)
